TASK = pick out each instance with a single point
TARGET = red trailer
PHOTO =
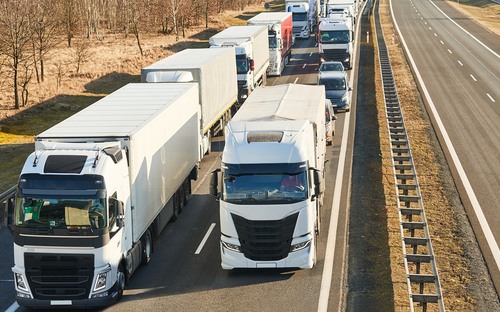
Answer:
(280, 38)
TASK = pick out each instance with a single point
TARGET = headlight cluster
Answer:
(22, 286)
(344, 100)
(300, 246)
(101, 282)
(230, 246)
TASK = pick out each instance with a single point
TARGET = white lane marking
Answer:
(435, 35)
(468, 33)
(449, 51)
(326, 279)
(13, 307)
(491, 98)
(490, 239)
(461, 64)
(473, 78)
(295, 81)
(310, 54)
(304, 66)
(441, 41)
(205, 238)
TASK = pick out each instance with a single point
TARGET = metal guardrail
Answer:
(7, 206)
(421, 271)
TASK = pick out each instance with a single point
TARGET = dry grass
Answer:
(484, 12)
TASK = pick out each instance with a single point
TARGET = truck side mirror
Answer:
(214, 183)
(317, 182)
(120, 218)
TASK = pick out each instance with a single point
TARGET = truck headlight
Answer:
(300, 246)
(20, 282)
(230, 246)
(101, 279)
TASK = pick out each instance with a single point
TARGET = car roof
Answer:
(332, 74)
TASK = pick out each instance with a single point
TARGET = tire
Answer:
(175, 208)
(187, 191)
(147, 247)
(121, 281)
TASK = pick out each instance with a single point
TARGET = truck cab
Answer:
(300, 19)
(335, 41)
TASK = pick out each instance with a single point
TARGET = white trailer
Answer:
(252, 55)
(271, 179)
(279, 26)
(214, 70)
(99, 186)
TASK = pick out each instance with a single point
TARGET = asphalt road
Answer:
(458, 63)
(185, 274)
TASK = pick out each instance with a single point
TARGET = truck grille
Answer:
(335, 54)
(58, 276)
(265, 240)
(297, 29)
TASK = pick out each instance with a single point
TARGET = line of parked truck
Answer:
(102, 184)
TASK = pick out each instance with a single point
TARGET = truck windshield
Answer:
(276, 188)
(70, 213)
(334, 36)
(299, 16)
(242, 66)
(273, 41)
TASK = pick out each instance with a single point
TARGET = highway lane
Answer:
(459, 66)
(179, 279)
(185, 272)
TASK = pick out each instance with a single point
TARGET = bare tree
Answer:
(175, 6)
(68, 12)
(45, 28)
(136, 13)
(15, 37)
(81, 54)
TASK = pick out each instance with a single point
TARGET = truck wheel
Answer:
(121, 280)
(182, 194)
(147, 247)
(176, 211)
(187, 191)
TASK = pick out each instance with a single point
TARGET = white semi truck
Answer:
(271, 180)
(214, 71)
(252, 55)
(98, 188)
(280, 34)
(300, 16)
(336, 40)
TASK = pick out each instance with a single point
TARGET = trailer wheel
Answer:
(147, 247)
(182, 195)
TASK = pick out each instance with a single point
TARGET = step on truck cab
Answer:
(271, 179)
(98, 188)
